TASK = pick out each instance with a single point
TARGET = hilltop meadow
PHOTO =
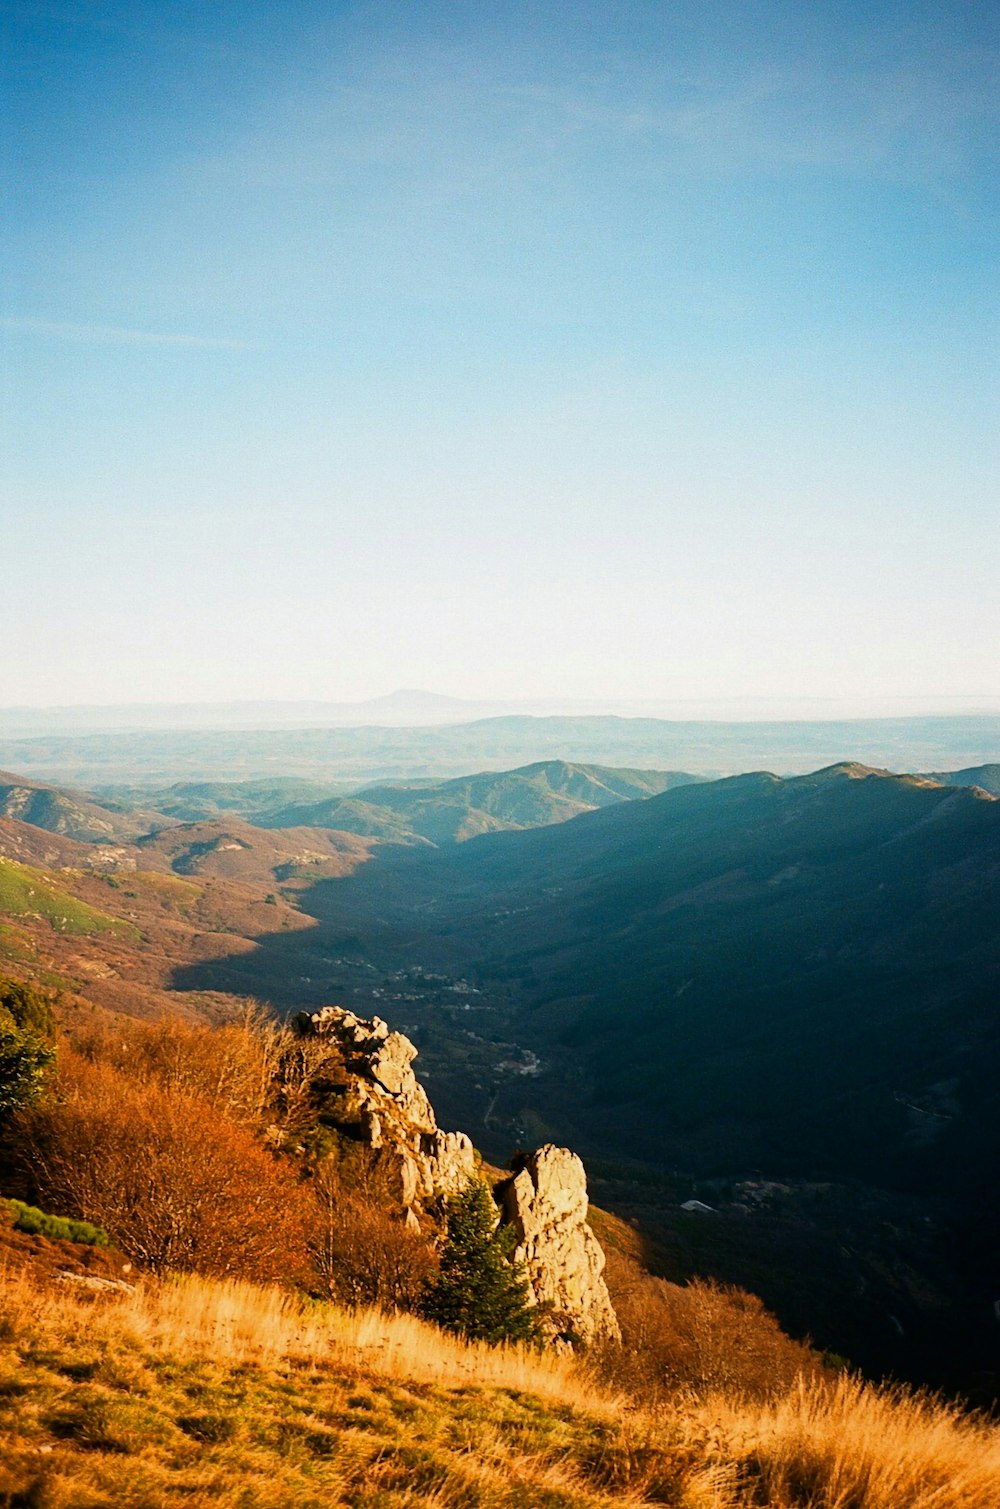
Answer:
(197, 1391)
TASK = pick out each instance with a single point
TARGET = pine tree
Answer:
(479, 1292)
(26, 1032)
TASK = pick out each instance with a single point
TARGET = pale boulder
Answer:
(546, 1204)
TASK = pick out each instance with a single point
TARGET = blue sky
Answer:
(591, 350)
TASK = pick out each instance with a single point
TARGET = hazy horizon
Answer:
(413, 707)
(612, 353)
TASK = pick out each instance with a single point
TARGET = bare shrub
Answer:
(176, 1182)
(700, 1336)
(360, 1247)
(300, 1064)
(154, 1131)
(233, 1068)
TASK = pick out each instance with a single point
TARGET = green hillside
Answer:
(27, 892)
(445, 812)
(68, 813)
(810, 959)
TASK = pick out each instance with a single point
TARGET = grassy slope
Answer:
(196, 1393)
(29, 892)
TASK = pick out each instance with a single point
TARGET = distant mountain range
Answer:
(403, 707)
(416, 708)
(354, 757)
(432, 812)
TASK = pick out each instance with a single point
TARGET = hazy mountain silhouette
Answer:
(359, 756)
(986, 777)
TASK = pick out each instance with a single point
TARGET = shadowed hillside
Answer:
(767, 992)
(776, 944)
(986, 777)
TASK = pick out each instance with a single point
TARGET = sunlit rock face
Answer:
(364, 1081)
(546, 1204)
(374, 1095)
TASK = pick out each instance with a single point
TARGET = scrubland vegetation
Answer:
(247, 1339)
(199, 1151)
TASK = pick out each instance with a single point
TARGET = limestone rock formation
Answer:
(362, 1082)
(368, 1088)
(546, 1204)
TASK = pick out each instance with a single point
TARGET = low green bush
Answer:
(59, 1228)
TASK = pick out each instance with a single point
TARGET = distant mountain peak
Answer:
(850, 770)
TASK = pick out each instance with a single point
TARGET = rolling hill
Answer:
(69, 813)
(443, 812)
(986, 777)
(424, 811)
(195, 801)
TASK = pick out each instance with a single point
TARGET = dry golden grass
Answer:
(226, 1393)
(189, 1391)
(845, 1445)
(243, 1323)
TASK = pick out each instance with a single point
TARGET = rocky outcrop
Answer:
(546, 1204)
(362, 1083)
(366, 1087)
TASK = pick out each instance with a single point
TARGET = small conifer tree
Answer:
(26, 1031)
(479, 1292)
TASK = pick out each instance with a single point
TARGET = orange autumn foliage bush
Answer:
(700, 1336)
(233, 1067)
(175, 1181)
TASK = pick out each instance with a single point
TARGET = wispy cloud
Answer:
(913, 118)
(116, 335)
